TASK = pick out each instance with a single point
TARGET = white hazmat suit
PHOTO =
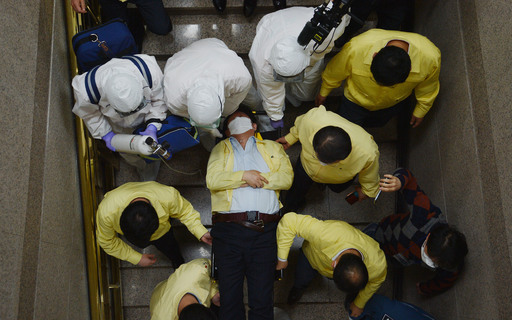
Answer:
(102, 118)
(271, 29)
(207, 58)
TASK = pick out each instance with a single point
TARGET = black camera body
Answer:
(323, 21)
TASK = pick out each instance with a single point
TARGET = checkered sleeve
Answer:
(422, 210)
(442, 281)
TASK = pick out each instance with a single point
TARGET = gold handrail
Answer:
(96, 178)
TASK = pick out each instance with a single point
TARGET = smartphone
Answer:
(352, 197)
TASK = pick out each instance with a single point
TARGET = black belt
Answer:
(254, 220)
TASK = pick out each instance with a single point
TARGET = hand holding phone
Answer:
(352, 197)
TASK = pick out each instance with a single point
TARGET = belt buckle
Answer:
(254, 218)
(259, 223)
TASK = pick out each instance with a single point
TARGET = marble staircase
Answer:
(194, 20)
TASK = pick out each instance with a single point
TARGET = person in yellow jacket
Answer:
(381, 68)
(334, 151)
(336, 250)
(141, 211)
(187, 294)
(245, 175)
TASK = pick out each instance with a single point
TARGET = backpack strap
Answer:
(90, 86)
(90, 78)
(143, 68)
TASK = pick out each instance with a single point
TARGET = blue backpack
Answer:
(176, 134)
(98, 45)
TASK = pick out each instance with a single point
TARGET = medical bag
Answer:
(177, 132)
(98, 45)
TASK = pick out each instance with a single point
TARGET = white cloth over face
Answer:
(240, 125)
(205, 58)
(102, 118)
(272, 28)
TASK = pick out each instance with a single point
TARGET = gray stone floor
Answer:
(186, 171)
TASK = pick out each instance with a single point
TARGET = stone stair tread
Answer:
(138, 284)
(235, 30)
(194, 4)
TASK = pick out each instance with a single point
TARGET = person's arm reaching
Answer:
(292, 225)
(427, 91)
(374, 282)
(79, 6)
(110, 242)
(337, 70)
(369, 176)
(179, 208)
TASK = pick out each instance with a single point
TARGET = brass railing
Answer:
(96, 168)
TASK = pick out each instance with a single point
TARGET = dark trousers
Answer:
(368, 119)
(304, 272)
(295, 197)
(392, 15)
(244, 253)
(168, 245)
(150, 12)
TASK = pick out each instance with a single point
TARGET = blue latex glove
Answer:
(277, 124)
(150, 131)
(108, 138)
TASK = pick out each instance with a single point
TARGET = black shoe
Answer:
(279, 4)
(249, 6)
(295, 295)
(220, 5)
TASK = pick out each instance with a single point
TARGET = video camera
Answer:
(324, 20)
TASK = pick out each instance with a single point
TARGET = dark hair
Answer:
(138, 222)
(332, 144)
(446, 246)
(197, 311)
(350, 274)
(391, 65)
(243, 109)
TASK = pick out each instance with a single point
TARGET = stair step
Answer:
(235, 30)
(194, 5)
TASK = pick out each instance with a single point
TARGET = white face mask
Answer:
(323, 163)
(426, 258)
(240, 125)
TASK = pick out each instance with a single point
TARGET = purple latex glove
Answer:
(277, 124)
(108, 138)
(150, 131)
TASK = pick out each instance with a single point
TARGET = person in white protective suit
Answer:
(204, 82)
(282, 67)
(126, 102)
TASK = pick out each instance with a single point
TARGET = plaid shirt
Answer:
(402, 235)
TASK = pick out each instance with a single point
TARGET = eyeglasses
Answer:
(141, 106)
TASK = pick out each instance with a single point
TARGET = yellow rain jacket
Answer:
(221, 180)
(362, 160)
(194, 278)
(167, 202)
(323, 240)
(353, 62)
